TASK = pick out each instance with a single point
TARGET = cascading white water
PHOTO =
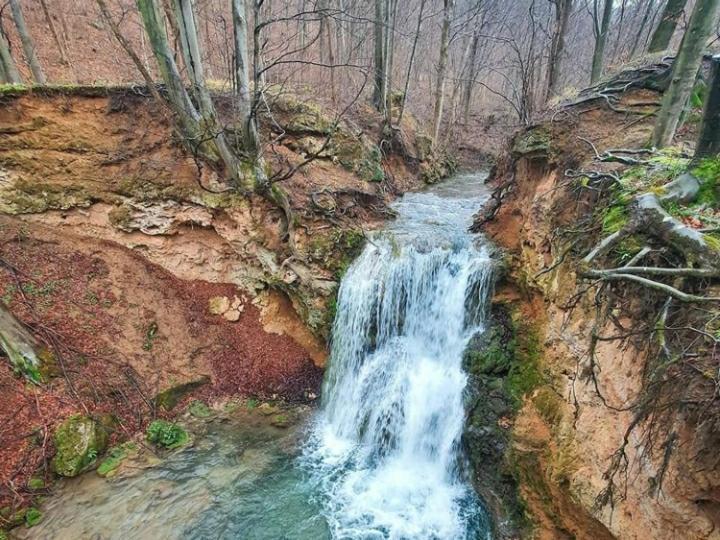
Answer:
(386, 447)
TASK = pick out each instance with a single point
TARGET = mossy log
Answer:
(26, 354)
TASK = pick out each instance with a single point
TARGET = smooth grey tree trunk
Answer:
(64, 56)
(471, 74)
(188, 118)
(709, 141)
(190, 46)
(379, 56)
(668, 22)
(685, 69)
(600, 41)
(12, 75)
(391, 15)
(563, 8)
(448, 6)
(27, 43)
(125, 44)
(411, 61)
(244, 102)
(641, 29)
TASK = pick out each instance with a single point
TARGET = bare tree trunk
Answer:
(188, 117)
(303, 26)
(685, 70)
(563, 8)
(411, 61)
(242, 78)
(389, 57)
(600, 41)
(448, 6)
(27, 43)
(64, 57)
(641, 29)
(125, 44)
(464, 68)
(11, 74)
(472, 74)
(379, 56)
(709, 140)
(185, 18)
(665, 30)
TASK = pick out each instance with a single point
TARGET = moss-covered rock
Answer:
(30, 197)
(169, 398)
(79, 440)
(535, 140)
(114, 458)
(198, 409)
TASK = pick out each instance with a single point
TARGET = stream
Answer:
(380, 459)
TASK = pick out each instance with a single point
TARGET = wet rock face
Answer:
(78, 442)
(488, 361)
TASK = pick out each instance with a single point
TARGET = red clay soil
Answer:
(121, 329)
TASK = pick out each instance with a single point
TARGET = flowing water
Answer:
(386, 447)
(381, 459)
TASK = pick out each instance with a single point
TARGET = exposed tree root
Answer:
(649, 218)
(608, 275)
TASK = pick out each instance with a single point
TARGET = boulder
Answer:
(79, 440)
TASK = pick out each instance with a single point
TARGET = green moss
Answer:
(142, 189)
(198, 409)
(166, 435)
(78, 442)
(713, 241)
(548, 404)
(32, 197)
(168, 399)
(615, 218)
(331, 311)
(251, 403)
(114, 458)
(33, 516)
(370, 167)
(708, 172)
(36, 482)
(525, 373)
(534, 140)
(337, 249)
(495, 358)
(281, 421)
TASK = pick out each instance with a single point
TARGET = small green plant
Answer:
(33, 516)
(150, 335)
(251, 403)
(166, 434)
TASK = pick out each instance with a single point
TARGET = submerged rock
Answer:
(78, 442)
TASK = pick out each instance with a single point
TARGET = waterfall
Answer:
(386, 448)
